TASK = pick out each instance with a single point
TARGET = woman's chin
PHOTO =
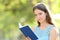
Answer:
(41, 21)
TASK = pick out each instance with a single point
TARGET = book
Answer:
(26, 30)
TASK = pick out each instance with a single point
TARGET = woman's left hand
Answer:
(28, 38)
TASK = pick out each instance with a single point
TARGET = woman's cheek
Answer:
(44, 17)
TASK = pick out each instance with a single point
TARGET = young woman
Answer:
(45, 30)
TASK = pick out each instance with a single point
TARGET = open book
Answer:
(26, 30)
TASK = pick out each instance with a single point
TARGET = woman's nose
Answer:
(38, 16)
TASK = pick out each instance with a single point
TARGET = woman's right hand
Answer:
(28, 38)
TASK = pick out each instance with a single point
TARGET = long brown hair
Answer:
(43, 7)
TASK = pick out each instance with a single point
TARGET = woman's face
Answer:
(40, 15)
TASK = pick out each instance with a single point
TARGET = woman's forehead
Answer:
(38, 11)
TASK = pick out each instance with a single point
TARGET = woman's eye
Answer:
(40, 13)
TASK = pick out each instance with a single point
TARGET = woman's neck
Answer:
(44, 24)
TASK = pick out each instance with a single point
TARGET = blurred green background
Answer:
(13, 12)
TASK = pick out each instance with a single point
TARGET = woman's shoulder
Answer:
(52, 27)
(54, 30)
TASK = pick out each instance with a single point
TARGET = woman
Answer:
(45, 29)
